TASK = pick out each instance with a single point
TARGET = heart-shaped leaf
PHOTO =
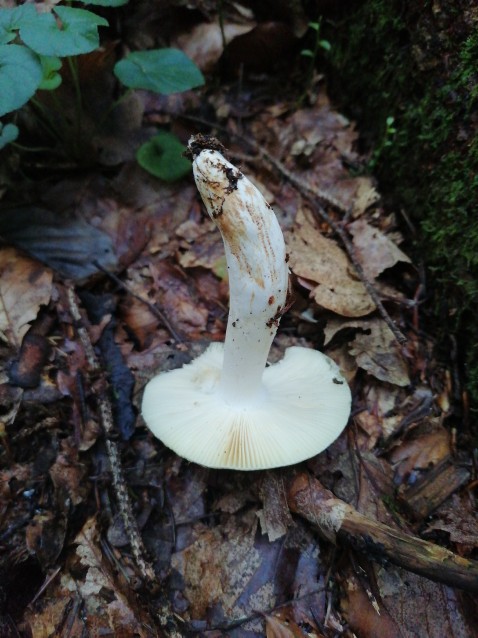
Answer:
(74, 34)
(11, 20)
(20, 76)
(51, 78)
(106, 3)
(162, 156)
(8, 133)
(161, 70)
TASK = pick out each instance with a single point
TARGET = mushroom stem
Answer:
(258, 273)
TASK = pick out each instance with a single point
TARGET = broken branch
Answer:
(336, 520)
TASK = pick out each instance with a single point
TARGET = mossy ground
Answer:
(419, 64)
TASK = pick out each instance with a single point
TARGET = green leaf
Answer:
(51, 78)
(161, 70)
(106, 3)
(77, 32)
(11, 19)
(307, 53)
(8, 133)
(162, 156)
(325, 44)
(20, 76)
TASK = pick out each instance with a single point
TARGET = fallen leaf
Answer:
(25, 285)
(68, 245)
(204, 43)
(363, 612)
(108, 610)
(459, 519)
(421, 607)
(201, 245)
(379, 354)
(419, 452)
(365, 195)
(44, 536)
(321, 262)
(374, 250)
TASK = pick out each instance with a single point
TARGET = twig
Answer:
(336, 520)
(106, 414)
(158, 313)
(316, 196)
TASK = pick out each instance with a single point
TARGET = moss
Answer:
(419, 64)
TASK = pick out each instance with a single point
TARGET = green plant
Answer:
(34, 45)
(318, 44)
(162, 156)
(386, 141)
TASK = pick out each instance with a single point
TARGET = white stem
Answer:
(258, 273)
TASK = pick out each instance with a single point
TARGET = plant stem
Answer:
(220, 13)
(73, 64)
(112, 107)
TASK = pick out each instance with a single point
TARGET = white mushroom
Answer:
(226, 409)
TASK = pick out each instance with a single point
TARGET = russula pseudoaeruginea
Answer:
(226, 409)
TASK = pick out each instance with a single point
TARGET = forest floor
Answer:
(114, 276)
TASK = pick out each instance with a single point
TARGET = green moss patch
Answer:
(419, 65)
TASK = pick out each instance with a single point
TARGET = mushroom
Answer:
(226, 409)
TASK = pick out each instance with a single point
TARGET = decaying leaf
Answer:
(374, 349)
(378, 353)
(25, 285)
(204, 43)
(420, 452)
(107, 608)
(458, 517)
(364, 613)
(417, 603)
(374, 250)
(69, 245)
(365, 196)
(201, 245)
(217, 568)
(327, 269)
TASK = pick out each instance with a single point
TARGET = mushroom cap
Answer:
(302, 408)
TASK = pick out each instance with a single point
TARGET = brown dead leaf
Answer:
(177, 298)
(459, 519)
(287, 623)
(380, 418)
(420, 452)
(375, 349)
(45, 535)
(379, 354)
(67, 473)
(278, 628)
(204, 44)
(365, 615)
(320, 261)
(201, 245)
(217, 567)
(421, 607)
(365, 195)
(374, 250)
(25, 285)
(108, 610)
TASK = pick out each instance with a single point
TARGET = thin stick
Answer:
(336, 520)
(119, 483)
(158, 313)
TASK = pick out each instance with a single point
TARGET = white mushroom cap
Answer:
(303, 407)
